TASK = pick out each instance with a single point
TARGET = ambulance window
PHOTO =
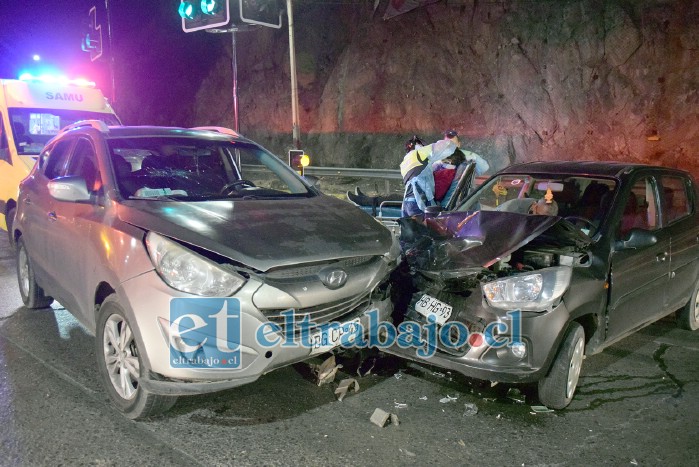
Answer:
(4, 149)
(57, 159)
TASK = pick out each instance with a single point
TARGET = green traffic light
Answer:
(209, 7)
(186, 10)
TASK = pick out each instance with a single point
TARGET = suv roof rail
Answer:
(220, 129)
(98, 125)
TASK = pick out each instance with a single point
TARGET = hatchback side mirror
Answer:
(637, 238)
(72, 189)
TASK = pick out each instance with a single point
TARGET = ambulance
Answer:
(32, 111)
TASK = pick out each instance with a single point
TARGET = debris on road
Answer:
(541, 409)
(326, 371)
(515, 395)
(381, 418)
(437, 373)
(461, 443)
(423, 398)
(399, 405)
(398, 375)
(446, 400)
(344, 386)
(366, 366)
(406, 452)
(470, 409)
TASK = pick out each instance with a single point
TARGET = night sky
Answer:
(157, 65)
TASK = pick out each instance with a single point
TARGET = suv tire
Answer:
(32, 294)
(121, 366)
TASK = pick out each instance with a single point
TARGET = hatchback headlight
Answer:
(184, 270)
(537, 291)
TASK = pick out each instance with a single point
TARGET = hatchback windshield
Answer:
(580, 199)
(198, 169)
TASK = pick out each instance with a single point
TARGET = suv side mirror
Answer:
(72, 189)
(637, 238)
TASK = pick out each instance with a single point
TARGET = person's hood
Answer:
(468, 240)
(263, 234)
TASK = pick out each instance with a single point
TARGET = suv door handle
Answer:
(661, 256)
(52, 216)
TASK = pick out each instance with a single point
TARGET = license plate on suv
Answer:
(328, 339)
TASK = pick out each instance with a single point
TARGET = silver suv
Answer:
(193, 254)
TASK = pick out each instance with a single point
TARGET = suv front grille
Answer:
(323, 313)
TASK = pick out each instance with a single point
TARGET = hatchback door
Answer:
(679, 218)
(639, 275)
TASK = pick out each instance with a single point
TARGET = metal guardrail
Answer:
(392, 174)
(385, 174)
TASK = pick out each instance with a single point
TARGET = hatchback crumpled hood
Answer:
(468, 240)
(263, 234)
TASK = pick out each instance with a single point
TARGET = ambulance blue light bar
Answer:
(53, 79)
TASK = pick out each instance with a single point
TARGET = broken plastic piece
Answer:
(437, 373)
(541, 409)
(327, 370)
(446, 400)
(423, 398)
(381, 418)
(399, 405)
(398, 375)
(344, 386)
(470, 409)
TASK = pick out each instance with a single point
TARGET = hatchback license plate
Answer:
(329, 338)
(428, 305)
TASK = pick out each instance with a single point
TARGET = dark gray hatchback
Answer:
(522, 298)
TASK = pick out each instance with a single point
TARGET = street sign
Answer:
(92, 42)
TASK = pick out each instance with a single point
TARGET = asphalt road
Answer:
(637, 404)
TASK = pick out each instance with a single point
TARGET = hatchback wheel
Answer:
(557, 388)
(32, 294)
(120, 364)
(688, 316)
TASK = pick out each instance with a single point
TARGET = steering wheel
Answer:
(236, 185)
(577, 220)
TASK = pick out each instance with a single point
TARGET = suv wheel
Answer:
(120, 364)
(32, 294)
(557, 388)
(688, 316)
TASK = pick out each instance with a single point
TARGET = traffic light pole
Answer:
(296, 131)
(234, 59)
(111, 51)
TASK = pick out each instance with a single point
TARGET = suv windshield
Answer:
(583, 200)
(200, 169)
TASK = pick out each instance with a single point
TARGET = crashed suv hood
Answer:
(468, 240)
(263, 234)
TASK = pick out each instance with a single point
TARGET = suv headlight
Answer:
(536, 291)
(185, 270)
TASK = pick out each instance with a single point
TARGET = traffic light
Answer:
(204, 14)
(92, 42)
(261, 12)
(298, 160)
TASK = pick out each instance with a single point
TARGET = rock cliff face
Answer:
(520, 80)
